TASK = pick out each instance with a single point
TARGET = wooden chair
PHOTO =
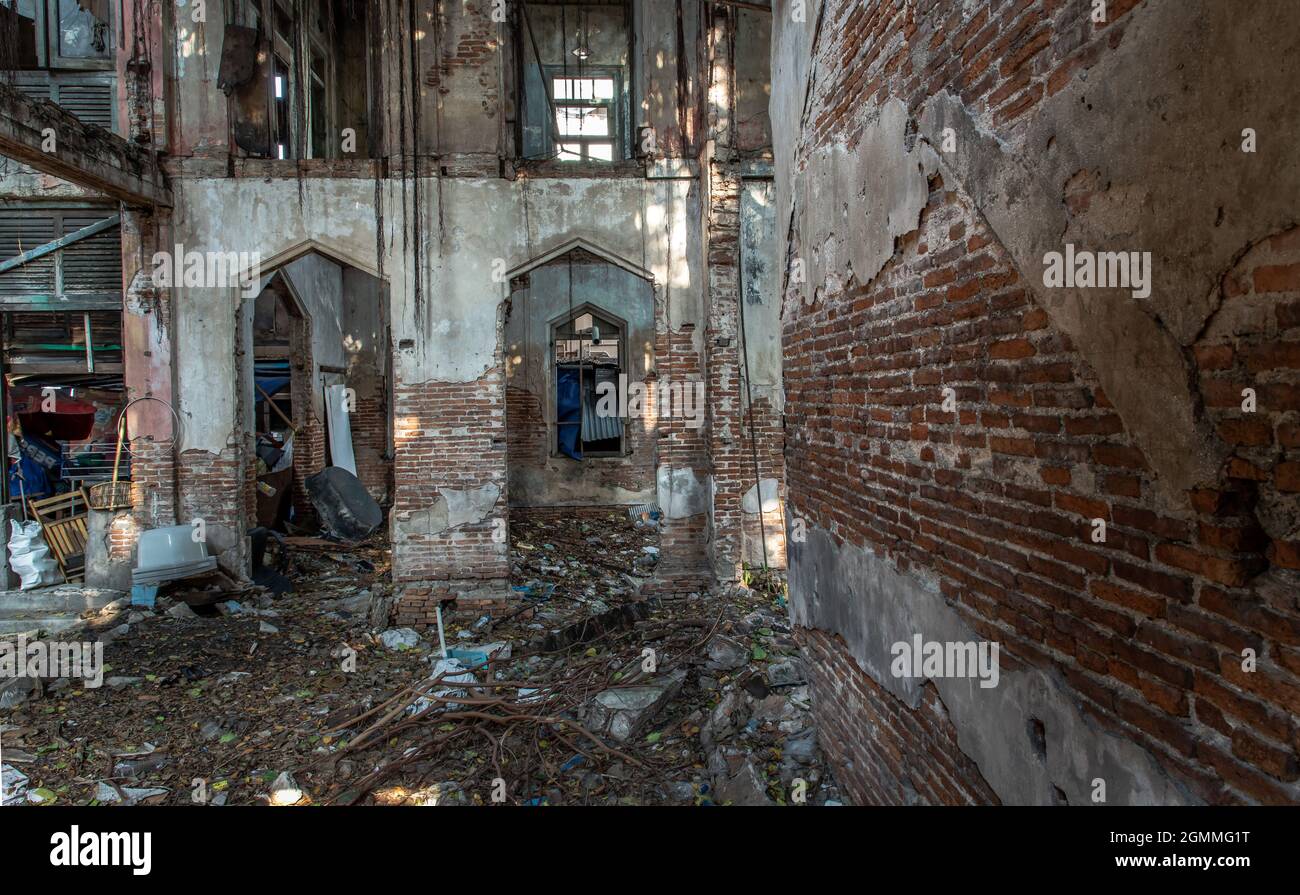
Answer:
(63, 525)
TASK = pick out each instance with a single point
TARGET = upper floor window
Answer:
(63, 51)
(586, 115)
(54, 34)
(299, 78)
(575, 72)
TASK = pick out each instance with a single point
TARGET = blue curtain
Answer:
(568, 409)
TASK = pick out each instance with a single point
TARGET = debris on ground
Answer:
(586, 693)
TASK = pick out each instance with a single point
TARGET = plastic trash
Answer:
(345, 507)
(29, 555)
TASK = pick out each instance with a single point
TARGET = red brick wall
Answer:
(208, 486)
(685, 545)
(995, 499)
(1253, 342)
(370, 443)
(527, 436)
(736, 442)
(153, 496)
(449, 435)
(309, 439)
(884, 753)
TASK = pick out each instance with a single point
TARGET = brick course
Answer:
(997, 497)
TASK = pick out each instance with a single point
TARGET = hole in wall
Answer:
(1038, 737)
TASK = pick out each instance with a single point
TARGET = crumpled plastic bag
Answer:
(29, 555)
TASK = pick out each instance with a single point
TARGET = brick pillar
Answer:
(449, 437)
(684, 548)
(147, 373)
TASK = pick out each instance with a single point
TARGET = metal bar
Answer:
(63, 241)
(28, 367)
(742, 4)
(90, 343)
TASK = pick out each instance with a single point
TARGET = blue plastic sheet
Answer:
(568, 409)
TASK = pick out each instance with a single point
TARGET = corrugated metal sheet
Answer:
(594, 426)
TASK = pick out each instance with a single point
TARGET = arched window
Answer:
(587, 359)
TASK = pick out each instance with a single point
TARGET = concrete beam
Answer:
(84, 154)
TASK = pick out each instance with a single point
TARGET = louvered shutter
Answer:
(93, 264)
(91, 102)
(21, 230)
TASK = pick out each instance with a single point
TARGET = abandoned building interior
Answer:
(723, 330)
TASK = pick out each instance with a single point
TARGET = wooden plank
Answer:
(88, 301)
(20, 367)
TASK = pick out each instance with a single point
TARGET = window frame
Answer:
(566, 320)
(46, 34)
(615, 108)
(72, 62)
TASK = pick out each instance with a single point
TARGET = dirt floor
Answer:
(592, 695)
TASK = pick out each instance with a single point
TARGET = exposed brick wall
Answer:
(527, 435)
(885, 753)
(996, 497)
(207, 482)
(370, 443)
(685, 546)
(476, 46)
(736, 442)
(1001, 58)
(308, 459)
(417, 605)
(1253, 342)
(448, 435)
(309, 437)
(153, 496)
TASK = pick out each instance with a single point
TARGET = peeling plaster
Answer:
(771, 497)
(861, 597)
(451, 509)
(1161, 138)
(682, 493)
(854, 203)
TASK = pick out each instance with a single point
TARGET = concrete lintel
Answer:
(85, 154)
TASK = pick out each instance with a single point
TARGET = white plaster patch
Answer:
(771, 489)
(854, 204)
(681, 493)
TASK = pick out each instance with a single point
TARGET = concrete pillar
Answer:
(105, 567)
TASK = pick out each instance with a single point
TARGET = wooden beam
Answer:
(87, 301)
(742, 4)
(84, 154)
(26, 367)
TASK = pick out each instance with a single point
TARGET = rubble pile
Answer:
(586, 694)
(592, 562)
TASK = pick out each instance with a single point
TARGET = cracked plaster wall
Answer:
(1157, 141)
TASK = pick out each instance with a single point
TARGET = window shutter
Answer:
(93, 264)
(91, 102)
(89, 265)
(21, 230)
